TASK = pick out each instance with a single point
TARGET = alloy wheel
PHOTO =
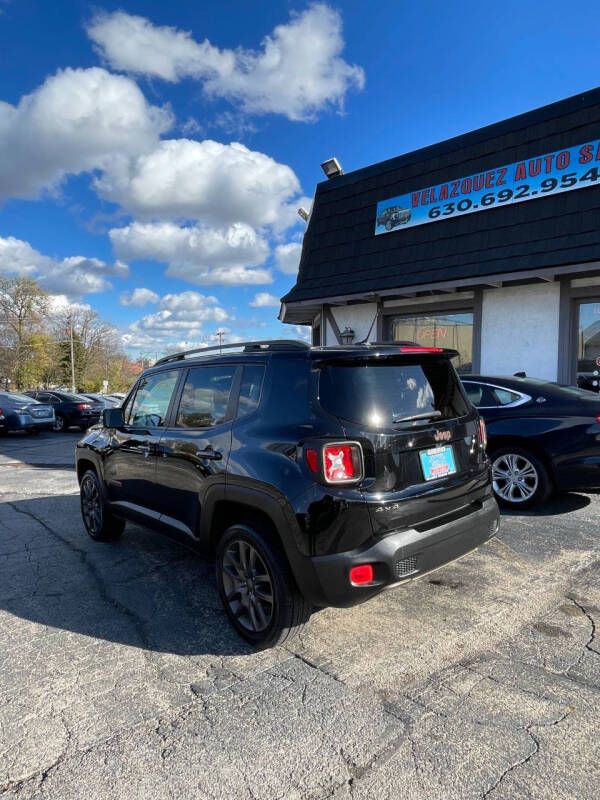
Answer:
(514, 478)
(91, 505)
(58, 424)
(248, 586)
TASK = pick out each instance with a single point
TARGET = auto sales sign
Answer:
(574, 168)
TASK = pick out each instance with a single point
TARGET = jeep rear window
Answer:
(383, 393)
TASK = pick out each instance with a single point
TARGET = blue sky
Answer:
(137, 157)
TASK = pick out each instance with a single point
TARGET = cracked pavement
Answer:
(120, 676)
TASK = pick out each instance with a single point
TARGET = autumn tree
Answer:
(23, 307)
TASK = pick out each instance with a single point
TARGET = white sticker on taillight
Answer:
(342, 462)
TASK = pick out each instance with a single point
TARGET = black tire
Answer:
(100, 524)
(520, 478)
(242, 590)
(60, 424)
(389, 225)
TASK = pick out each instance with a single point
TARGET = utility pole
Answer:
(220, 335)
(72, 356)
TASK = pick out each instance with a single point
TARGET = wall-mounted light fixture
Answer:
(347, 335)
(332, 168)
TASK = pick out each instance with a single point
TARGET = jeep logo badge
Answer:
(442, 436)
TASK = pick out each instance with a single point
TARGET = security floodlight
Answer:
(332, 168)
(347, 335)
(302, 212)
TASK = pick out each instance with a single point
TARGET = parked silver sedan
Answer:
(18, 412)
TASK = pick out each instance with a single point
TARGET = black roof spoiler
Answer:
(387, 350)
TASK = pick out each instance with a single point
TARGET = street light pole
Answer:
(72, 357)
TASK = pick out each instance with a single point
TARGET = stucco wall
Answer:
(358, 317)
(520, 330)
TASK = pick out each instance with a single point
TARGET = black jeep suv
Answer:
(314, 476)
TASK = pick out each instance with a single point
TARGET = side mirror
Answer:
(113, 418)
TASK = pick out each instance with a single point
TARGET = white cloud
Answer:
(287, 257)
(134, 44)
(197, 254)
(139, 297)
(297, 72)
(186, 179)
(18, 257)
(74, 276)
(77, 120)
(179, 318)
(60, 304)
(264, 300)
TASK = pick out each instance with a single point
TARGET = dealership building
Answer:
(488, 243)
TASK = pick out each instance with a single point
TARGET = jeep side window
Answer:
(152, 400)
(250, 388)
(127, 407)
(205, 396)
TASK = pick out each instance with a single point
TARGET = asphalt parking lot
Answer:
(120, 676)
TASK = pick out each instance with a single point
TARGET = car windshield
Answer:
(390, 392)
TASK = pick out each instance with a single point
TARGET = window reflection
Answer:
(588, 346)
(454, 331)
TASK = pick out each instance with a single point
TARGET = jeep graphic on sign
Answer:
(392, 216)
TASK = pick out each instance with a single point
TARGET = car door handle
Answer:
(210, 454)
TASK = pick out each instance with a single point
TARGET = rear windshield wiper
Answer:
(414, 417)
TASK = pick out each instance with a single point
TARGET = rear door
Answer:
(194, 449)
(130, 463)
(418, 431)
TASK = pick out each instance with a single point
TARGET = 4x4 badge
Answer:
(442, 436)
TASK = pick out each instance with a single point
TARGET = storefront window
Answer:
(454, 331)
(588, 346)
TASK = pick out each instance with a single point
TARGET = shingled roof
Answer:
(341, 254)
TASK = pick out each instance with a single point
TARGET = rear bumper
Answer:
(25, 422)
(85, 420)
(400, 557)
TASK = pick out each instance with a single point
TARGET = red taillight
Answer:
(421, 349)
(312, 459)
(362, 573)
(342, 463)
(482, 433)
(597, 416)
(81, 406)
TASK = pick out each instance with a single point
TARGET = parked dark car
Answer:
(18, 412)
(70, 409)
(393, 216)
(314, 476)
(106, 401)
(541, 436)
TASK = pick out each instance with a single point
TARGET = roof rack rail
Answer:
(248, 347)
